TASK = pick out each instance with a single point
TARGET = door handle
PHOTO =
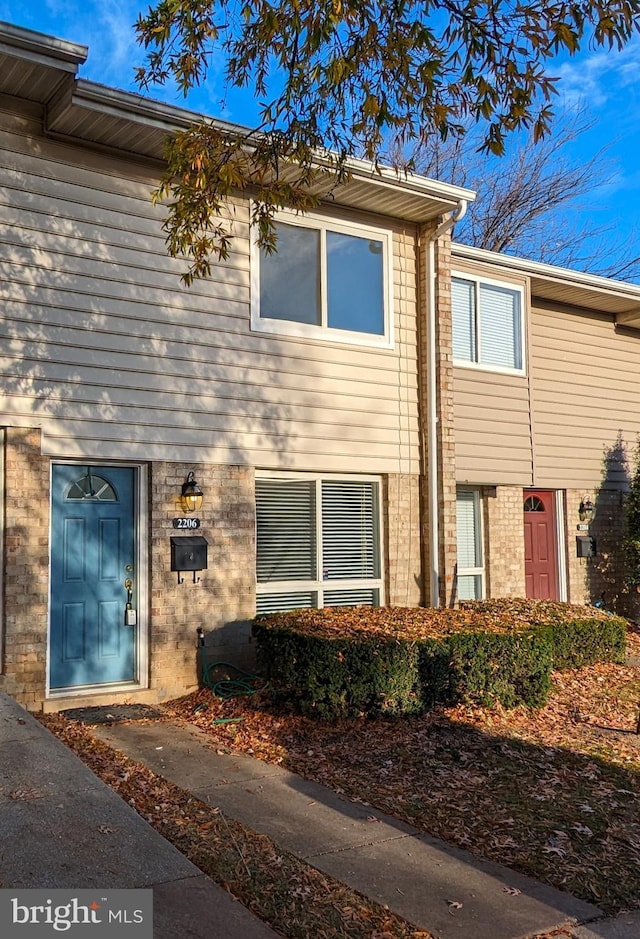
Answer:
(130, 616)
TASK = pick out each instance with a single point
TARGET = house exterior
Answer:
(371, 416)
(304, 429)
(547, 426)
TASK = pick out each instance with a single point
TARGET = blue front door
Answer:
(92, 556)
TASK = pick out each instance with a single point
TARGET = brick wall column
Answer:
(445, 436)
(222, 602)
(404, 557)
(504, 541)
(26, 573)
(602, 575)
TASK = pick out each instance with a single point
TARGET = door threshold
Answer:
(64, 702)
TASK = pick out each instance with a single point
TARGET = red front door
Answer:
(540, 550)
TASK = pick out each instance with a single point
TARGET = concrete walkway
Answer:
(61, 827)
(418, 877)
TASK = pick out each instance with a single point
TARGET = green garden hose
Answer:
(226, 688)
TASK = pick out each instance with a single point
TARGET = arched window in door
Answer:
(533, 504)
(93, 488)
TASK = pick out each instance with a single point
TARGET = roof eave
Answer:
(617, 298)
(42, 69)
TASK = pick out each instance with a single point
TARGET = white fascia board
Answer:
(549, 272)
(34, 46)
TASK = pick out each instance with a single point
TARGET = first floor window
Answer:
(318, 542)
(487, 324)
(470, 551)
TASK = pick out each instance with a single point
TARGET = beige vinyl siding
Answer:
(585, 396)
(104, 349)
(491, 411)
(492, 429)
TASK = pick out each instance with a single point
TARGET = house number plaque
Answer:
(189, 523)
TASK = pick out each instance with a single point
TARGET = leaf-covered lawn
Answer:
(554, 793)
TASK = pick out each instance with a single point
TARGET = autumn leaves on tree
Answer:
(349, 79)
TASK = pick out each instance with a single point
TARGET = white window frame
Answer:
(319, 586)
(561, 541)
(517, 289)
(281, 327)
(479, 531)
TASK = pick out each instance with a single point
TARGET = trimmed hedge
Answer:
(351, 661)
(331, 677)
(490, 667)
(580, 635)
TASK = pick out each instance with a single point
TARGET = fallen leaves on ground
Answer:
(554, 793)
(296, 900)
(414, 623)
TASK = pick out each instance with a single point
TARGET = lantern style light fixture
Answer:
(191, 497)
(586, 510)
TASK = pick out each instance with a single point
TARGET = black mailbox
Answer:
(189, 553)
(585, 546)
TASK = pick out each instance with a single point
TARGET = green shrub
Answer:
(434, 673)
(350, 661)
(506, 668)
(344, 662)
(579, 635)
(337, 677)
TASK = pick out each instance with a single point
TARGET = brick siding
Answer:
(403, 561)
(504, 541)
(222, 602)
(26, 575)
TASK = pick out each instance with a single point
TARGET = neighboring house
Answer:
(546, 417)
(327, 401)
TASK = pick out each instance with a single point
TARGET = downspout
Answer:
(432, 410)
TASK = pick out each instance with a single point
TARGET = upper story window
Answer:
(327, 280)
(487, 324)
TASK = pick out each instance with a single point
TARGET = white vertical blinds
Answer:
(275, 602)
(349, 534)
(464, 320)
(499, 313)
(314, 531)
(487, 323)
(469, 587)
(351, 598)
(467, 529)
(469, 543)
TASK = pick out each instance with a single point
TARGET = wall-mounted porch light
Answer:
(191, 497)
(586, 510)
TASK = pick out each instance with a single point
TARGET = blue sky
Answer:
(605, 82)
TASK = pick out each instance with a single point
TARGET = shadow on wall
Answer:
(605, 573)
(23, 645)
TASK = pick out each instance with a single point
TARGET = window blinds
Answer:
(464, 320)
(468, 542)
(286, 530)
(499, 327)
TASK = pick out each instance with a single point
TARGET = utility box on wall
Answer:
(585, 546)
(189, 553)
